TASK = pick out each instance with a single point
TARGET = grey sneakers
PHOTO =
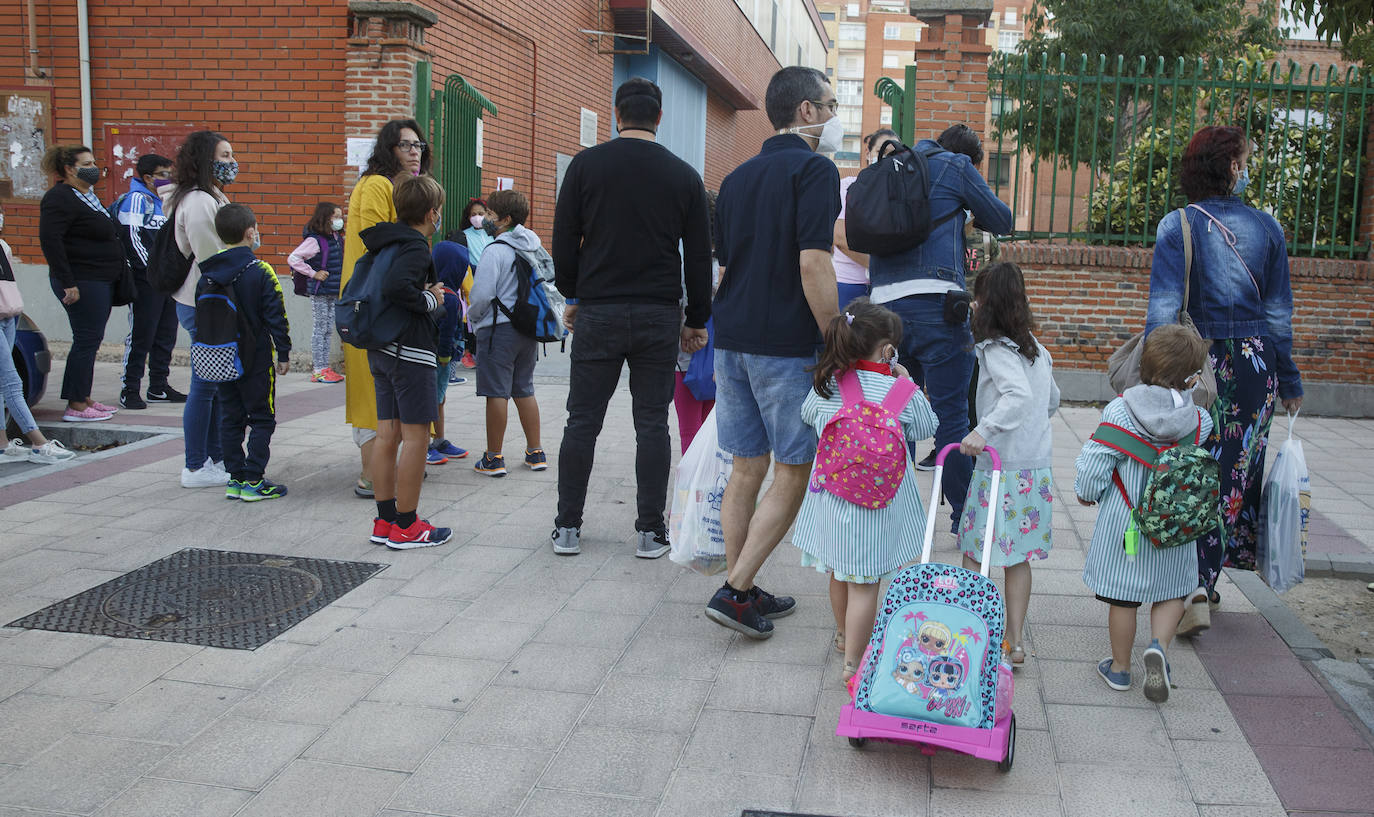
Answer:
(652, 544)
(567, 541)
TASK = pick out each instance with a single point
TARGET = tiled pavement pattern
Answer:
(488, 677)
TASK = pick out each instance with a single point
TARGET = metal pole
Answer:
(83, 35)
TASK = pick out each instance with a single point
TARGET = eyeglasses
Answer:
(833, 105)
(407, 147)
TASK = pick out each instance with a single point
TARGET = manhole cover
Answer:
(214, 598)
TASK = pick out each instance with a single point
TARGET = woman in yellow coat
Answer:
(400, 150)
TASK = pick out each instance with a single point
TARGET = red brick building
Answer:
(290, 82)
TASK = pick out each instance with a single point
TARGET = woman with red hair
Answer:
(1240, 298)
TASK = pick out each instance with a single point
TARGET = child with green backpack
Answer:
(1158, 492)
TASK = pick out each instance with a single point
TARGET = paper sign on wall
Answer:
(359, 149)
(505, 183)
(478, 162)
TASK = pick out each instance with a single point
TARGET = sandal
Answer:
(1017, 655)
(838, 642)
(849, 670)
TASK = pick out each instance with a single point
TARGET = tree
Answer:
(1345, 19)
(1050, 119)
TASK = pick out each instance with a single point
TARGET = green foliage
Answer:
(1336, 18)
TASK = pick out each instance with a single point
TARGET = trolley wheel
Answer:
(1004, 765)
(858, 743)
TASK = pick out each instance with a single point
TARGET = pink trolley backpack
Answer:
(862, 453)
(933, 672)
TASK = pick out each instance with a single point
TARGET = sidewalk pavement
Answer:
(488, 677)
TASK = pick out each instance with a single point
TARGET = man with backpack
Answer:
(240, 317)
(924, 282)
(507, 344)
(152, 315)
(624, 209)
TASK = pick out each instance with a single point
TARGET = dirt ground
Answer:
(1339, 611)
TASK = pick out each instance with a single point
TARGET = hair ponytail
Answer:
(851, 336)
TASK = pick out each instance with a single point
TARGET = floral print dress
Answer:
(1023, 517)
(1247, 387)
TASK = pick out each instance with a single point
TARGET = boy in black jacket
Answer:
(250, 401)
(404, 371)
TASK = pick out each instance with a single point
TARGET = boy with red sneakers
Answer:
(404, 371)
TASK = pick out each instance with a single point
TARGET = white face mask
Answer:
(831, 137)
(336, 225)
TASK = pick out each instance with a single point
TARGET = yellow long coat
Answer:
(369, 204)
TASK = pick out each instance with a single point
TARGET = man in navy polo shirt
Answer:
(775, 222)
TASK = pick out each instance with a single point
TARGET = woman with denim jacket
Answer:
(1241, 299)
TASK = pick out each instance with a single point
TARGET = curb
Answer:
(1341, 566)
(1305, 644)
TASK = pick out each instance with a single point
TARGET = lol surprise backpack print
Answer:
(862, 453)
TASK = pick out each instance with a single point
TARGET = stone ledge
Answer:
(1302, 641)
(392, 9)
(1089, 256)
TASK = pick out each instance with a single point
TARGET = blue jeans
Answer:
(200, 417)
(758, 406)
(87, 318)
(849, 292)
(11, 384)
(945, 352)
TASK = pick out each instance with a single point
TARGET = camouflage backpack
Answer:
(1181, 500)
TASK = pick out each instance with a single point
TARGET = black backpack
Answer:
(364, 318)
(215, 353)
(167, 266)
(887, 210)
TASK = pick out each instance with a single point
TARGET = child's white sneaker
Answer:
(50, 453)
(17, 449)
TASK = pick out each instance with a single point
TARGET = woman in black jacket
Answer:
(85, 262)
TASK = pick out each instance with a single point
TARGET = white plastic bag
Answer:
(1284, 509)
(694, 523)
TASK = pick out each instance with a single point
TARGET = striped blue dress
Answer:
(1155, 575)
(855, 544)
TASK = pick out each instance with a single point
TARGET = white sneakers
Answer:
(48, 453)
(209, 475)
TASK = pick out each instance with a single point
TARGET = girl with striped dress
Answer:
(1161, 411)
(1017, 396)
(859, 546)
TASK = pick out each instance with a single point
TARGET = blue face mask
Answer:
(1241, 181)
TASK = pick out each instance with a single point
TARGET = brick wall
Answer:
(1088, 300)
(951, 76)
(275, 76)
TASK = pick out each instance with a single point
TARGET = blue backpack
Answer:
(533, 314)
(215, 353)
(364, 318)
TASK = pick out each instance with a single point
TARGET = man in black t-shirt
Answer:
(775, 223)
(624, 208)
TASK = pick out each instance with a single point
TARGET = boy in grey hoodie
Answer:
(1161, 411)
(505, 357)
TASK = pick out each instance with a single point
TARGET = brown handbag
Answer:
(1123, 367)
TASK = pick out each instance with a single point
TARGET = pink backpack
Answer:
(862, 453)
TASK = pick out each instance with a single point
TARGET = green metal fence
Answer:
(1091, 149)
(456, 113)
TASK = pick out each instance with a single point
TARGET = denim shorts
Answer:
(758, 406)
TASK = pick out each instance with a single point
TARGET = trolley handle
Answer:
(935, 502)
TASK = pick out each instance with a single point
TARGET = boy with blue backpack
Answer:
(507, 343)
(240, 317)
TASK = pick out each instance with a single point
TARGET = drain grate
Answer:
(214, 598)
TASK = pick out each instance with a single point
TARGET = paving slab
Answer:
(311, 789)
(625, 762)
(155, 797)
(80, 773)
(238, 753)
(461, 779)
(502, 716)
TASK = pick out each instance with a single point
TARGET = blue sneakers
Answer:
(739, 612)
(448, 449)
(435, 457)
(1156, 673)
(233, 489)
(1119, 681)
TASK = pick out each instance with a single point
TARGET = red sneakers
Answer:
(419, 535)
(381, 529)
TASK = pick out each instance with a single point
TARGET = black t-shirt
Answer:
(782, 201)
(623, 209)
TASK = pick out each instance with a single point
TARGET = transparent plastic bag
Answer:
(1284, 509)
(694, 527)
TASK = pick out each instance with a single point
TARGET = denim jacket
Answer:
(1224, 300)
(955, 185)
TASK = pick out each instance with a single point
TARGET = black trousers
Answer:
(607, 336)
(152, 334)
(249, 403)
(87, 318)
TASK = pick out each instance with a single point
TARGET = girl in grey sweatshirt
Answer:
(1016, 397)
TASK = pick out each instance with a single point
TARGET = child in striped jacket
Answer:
(1161, 411)
(856, 545)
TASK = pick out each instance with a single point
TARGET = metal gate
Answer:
(455, 131)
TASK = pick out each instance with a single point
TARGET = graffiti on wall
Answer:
(124, 145)
(24, 127)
